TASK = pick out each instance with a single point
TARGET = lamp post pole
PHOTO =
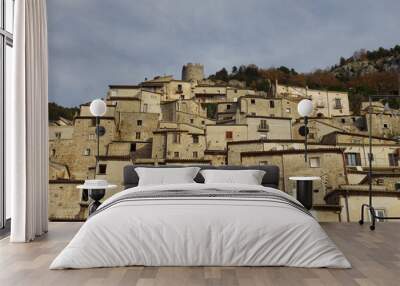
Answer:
(98, 141)
(305, 137)
(370, 152)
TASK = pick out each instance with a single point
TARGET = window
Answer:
(195, 155)
(315, 162)
(176, 138)
(137, 135)
(6, 63)
(263, 124)
(228, 106)
(343, 120)
(272, 104)
(228, 135)
(102, 169)
(381, 212)
(145, 107)
(133, 147)
(288, 110)
(338, 103)
(179, 88)
(195, 139)
(86, 152)
(393, 160)
(191, 120)
(253, 101)
(176, 154)
(58, 135)
(203, 122)
(182, 96)
(53, 152)
(353, 159)
(385, 125)
(139, 123)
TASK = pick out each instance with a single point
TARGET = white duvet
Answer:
(200, 231)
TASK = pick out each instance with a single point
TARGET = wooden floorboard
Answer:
(375, 257)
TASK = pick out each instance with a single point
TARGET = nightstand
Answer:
(97, 190)
(304, 190)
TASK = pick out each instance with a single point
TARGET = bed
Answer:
(201, 224)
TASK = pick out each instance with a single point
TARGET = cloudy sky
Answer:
(94, 43)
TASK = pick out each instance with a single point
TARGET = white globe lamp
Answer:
(98, 107)
(305, 108)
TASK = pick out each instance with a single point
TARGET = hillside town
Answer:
(198, 121)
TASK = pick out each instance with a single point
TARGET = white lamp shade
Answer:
(98, 107)
(305, 107)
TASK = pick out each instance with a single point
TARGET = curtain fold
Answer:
(27, 123)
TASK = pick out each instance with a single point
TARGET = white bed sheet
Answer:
(200, 232)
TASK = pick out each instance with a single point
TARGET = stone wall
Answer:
(137, 126)
(331, 169)
(217, 135)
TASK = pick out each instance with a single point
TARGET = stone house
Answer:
(217, 136)
(267, 127)
(185, 111)
(137, 126)
(326, 103)
(177, 144)
(233, 93)
(255, 105)
(385, 152)
(209, 93)
(326, 163)
(352, 197)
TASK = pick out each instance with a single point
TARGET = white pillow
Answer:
(248, 177)
(166, 176)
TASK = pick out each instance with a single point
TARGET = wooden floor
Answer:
(375, 257)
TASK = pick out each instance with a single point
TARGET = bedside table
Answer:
(304, 190)
(96, 190)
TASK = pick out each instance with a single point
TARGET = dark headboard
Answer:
(271, 177)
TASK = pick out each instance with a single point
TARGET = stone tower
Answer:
(192, 72)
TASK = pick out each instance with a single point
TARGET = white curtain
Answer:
(27, 123)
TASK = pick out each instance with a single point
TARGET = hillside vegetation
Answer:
(366, 72)
(56, 111)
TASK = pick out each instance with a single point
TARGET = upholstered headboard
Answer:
(271, 177)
